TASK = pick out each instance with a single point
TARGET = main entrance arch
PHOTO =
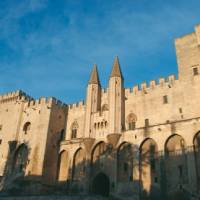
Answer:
(101, 185)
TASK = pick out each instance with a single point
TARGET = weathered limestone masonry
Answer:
(142, 141)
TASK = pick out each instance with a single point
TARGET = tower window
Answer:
(0, 127)
(131, 125)
(146, 122)
(165, 99)
(27, 127)
(131, 121)
(195, 71)
(74, 130)
(0, 141)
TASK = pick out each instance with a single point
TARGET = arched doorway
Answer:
(20, 160)
(101, 185)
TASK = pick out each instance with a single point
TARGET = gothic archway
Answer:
(148, 165)
(79, 161)
(125, 162)
(175, 162)
(196, 142)
(20, 160)
(98, 157)
(62, 174)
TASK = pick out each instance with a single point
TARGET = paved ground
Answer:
(56, 198)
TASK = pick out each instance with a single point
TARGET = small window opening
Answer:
(146, 122)
(195, 71)
(131, 125)
(165, 99)
(1, 127)
(27, 127)
(0, 141)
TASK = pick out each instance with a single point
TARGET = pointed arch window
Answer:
(104, 107)
(131, 121)
(74, 130)
(26, 127)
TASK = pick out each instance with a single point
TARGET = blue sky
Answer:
(48, 47)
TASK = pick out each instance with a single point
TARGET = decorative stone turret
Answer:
(93, 100)
(116, 99)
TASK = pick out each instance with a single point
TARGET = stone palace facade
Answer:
(142, 141)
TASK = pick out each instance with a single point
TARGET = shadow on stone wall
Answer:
(123, 171)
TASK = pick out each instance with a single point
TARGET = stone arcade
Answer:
(140, 141)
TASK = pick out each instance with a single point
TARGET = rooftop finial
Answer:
(94, 77)
(116, 71)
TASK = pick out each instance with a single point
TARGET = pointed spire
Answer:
(94, 77)
(116, 70)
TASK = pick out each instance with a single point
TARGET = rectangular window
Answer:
(195, 71)
(165, 99)
(131, 125)
(1, 127)
(146, 122)
(0, 141)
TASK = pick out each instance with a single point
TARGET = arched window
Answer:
(131, 121)
(74, 130)
(27, 127)
(104, 107)
(106, 123)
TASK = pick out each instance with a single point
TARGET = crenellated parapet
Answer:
(152, 85)
(13, 96)
(49, 101)
(76, 106)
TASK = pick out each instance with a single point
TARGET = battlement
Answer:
(153, 84)
(191, 37)
(13, 96)
(49, 101)
(77, 105)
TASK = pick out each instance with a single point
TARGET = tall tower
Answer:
(93, 100)
(116, 99)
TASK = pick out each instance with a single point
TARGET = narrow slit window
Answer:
(146, 122)
(165, 99)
